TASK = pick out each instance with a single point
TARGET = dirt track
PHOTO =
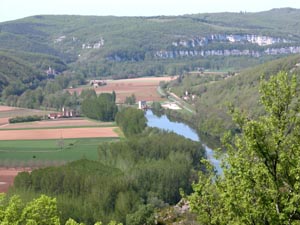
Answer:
(40, 134)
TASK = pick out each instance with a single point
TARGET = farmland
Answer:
(61, 123)
(20, 155)
(143, 88)
(7, 112)
(26, 146)
(30, 152)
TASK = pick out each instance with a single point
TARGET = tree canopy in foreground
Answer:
(261, 170)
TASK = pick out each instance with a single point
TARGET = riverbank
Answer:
(163, 122)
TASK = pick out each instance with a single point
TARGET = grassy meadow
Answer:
(33, 152)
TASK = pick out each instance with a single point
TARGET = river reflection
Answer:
(182, 129)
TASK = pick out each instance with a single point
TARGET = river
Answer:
(182, 129)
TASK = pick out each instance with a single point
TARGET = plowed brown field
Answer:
(143, 88)
(41, 134)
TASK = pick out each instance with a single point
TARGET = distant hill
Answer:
(20, 71)
(241, 90)
(138, 46)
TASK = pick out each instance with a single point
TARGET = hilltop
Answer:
(138, 46)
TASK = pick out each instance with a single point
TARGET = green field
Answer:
(37, 152)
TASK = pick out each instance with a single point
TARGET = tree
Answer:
(261, 169)
(130, 100)
(144, 215)
(132, 121)
(42, 210)
(102, 107)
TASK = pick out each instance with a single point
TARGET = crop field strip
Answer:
(17, 151)
(37, 134)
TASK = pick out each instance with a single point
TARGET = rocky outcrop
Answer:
(93, 45)
(165, 54)
(229, 38)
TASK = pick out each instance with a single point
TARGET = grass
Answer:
(50, 150)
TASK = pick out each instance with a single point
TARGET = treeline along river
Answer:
(182, 129)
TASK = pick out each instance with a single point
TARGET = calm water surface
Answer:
(182, 129)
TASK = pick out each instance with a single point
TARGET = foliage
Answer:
(144, 215)
(130, 100)
(215, 92)
(21, 119)
(149, 169)
(157, 109)
(159, 162)
(42, 210)
(101, 108)
(260, 184)
(132, 121)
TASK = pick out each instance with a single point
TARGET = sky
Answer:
(16, 9)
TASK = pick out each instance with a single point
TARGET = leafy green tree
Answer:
(132, 121)
(261, 171)
(88, 93)
(130, 100)
(102, 107)
(144, 215)
(42, 210)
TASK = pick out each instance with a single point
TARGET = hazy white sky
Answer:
(14, 9)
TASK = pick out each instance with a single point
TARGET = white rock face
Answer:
(229, 38)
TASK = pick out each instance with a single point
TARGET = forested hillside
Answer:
(215, 94)
(136, 46)
(80, 47)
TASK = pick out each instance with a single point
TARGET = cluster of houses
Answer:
(97, 83)
(65, 113)
(188, 96)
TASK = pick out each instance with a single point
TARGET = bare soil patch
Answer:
(7, 176)
(41, 134)
(4, 121)
(6, 108)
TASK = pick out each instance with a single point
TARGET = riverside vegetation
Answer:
(129, 180)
